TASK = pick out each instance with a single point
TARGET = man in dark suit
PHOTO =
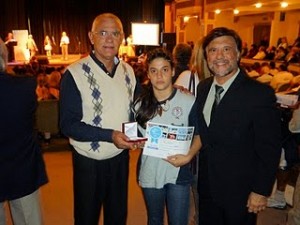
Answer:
(22, 167)
(241, 139)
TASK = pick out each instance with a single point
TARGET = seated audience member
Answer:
(264, 68)
(246, 67)
(24, 70)
(132, 60)
(35, 65)
(281, 78)
(254, 70)
(53, 84)
(252, 51)
(297, 42)
(48, 88)
(295, 82)
(124, 57)
(42, 90)
(270, 52)
(61, 69)
(280, 54)
(273, 70)
(142, 58)
(261, 54)
(283, 43)
(140, 72)
(293, 55)
(49, 69)
(244, 49)
(265, 78)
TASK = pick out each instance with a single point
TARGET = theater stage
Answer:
(55, 60)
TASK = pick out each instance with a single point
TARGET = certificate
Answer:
(166, 140)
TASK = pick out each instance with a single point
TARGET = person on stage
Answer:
(10, 42)
(31, 46)
(48, 46)
(64, 43)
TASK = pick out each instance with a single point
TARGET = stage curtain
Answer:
(43, 18)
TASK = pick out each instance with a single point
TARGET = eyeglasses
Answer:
(104, 34)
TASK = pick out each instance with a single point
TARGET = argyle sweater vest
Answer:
(106, 103)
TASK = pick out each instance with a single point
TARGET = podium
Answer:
(10, 47)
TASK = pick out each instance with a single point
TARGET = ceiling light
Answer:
(284, 4)
(258, 5)
(236, 11)
(186, 19)
(217, 11)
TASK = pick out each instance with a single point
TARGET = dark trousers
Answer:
(211, 213)
(227, 211)
(97, 183)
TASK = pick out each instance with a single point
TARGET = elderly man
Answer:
(96, 95)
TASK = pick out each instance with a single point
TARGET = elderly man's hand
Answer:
(121, 141)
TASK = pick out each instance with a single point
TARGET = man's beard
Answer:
(229, 71)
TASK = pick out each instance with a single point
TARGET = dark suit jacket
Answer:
(22, 168)
(242, 145)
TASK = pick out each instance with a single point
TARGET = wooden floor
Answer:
(57, 195)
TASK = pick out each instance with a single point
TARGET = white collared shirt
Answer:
(211, 96)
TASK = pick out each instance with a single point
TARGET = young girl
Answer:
(165, 181)
(48, 46)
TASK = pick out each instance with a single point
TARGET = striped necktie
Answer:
(219, 90)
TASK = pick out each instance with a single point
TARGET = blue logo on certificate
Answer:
(155, 133)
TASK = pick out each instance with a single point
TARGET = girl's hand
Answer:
(178, 160)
